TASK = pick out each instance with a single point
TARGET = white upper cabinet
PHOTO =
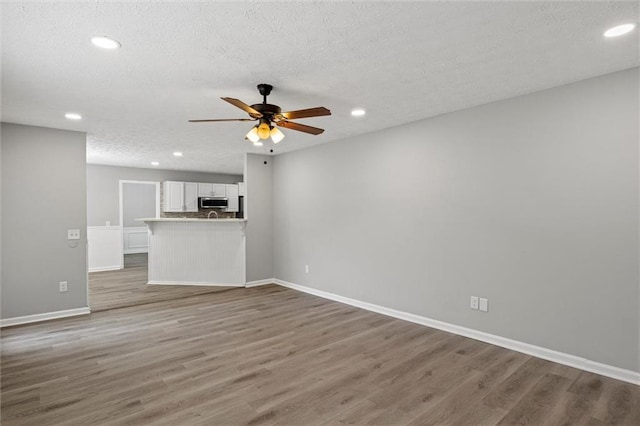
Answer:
(190, 197)
(205, 190)
(241, 189)
(220, 190)
(183, 196)
(232, 197)
(212, 190)
(180, 197)
(173, 196)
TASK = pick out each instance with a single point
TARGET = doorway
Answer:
(138, 199)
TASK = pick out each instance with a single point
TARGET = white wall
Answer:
(531, 202)
(43, 195)
(103, 181)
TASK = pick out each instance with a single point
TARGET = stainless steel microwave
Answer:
(214, 203)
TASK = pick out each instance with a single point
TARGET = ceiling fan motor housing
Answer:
(267, 110)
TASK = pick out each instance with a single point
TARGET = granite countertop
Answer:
(187, 219)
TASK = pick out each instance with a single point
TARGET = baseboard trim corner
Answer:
(260, 282)
(628, 376)
(27, 319)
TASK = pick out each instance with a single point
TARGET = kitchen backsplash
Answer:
(200, 214)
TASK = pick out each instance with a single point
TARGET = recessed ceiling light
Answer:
(177, 154)
(155, 163)
(258, 143)
(619, 30)
(105, 42)
(358, 112)
(73, 116)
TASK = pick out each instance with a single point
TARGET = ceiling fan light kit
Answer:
(253, 134)
(276, 135)
(270, 116)
(264, 129)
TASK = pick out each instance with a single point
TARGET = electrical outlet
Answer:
(306, 269)
(474, 303)
(73, 234)
(484, 304)
(63, 286)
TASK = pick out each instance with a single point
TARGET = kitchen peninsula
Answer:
(189, 251)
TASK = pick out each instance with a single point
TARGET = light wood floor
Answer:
(270, 355)
(128, 287)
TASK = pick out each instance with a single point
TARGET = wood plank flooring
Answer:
(271, 355)
(128, 287)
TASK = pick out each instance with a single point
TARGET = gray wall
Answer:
(47, 167)
(1, 223)
(259, 212)
(138, 201)
(531, 202)
(103, 181)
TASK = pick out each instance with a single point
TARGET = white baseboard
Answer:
(526, 348)
(7, 322)
(260, 282)
(197, 283)
(106, 268)
(136, 251)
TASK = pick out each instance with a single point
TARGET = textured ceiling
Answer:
(401, 61)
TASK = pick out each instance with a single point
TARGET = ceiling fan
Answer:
(268, 115)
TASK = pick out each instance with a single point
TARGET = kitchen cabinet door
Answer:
(232, 197)
(173, 196)
(190, 197)
(219, 190)
(205, 190)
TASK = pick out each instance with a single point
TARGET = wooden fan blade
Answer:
(300, 127)
(246, 108)
(305, 113)
(222, 119)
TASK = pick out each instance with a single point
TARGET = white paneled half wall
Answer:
(104, 248)
(135, 239)
(197, 252)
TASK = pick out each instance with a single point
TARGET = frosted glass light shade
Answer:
(253, 135)
(276, 135)
(264, 131)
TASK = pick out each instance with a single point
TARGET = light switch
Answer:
(73, 234)
(474, 302)
(484, 304)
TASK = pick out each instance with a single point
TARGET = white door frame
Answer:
(120, 191)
